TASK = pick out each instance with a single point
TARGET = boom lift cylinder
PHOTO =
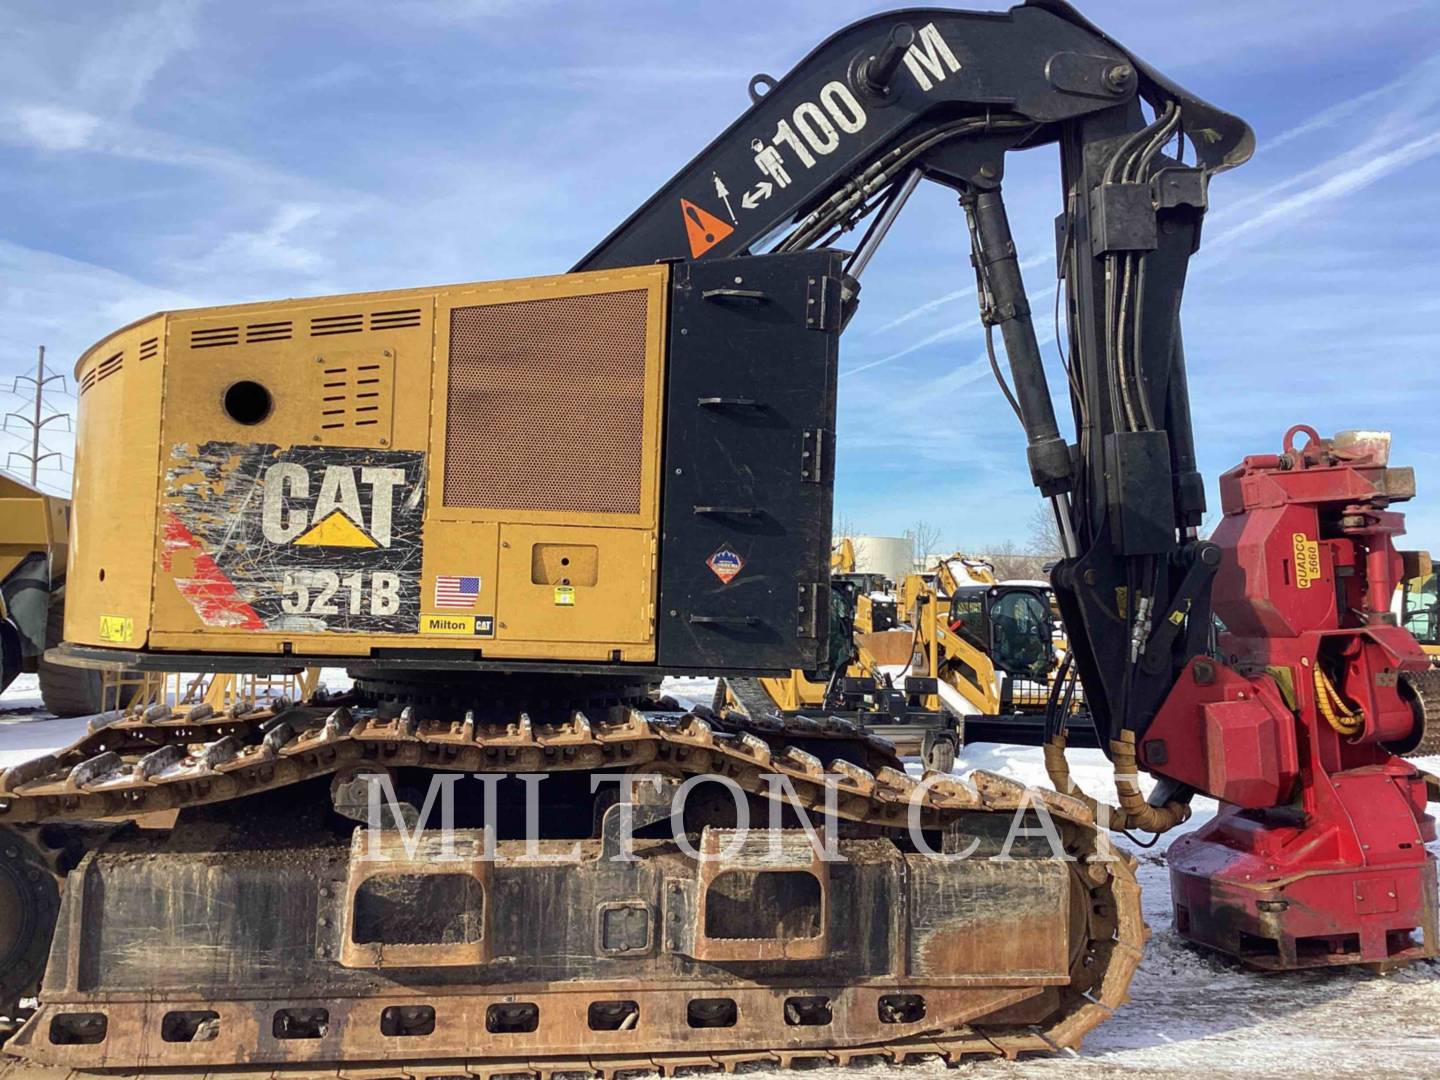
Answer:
(1005, 304)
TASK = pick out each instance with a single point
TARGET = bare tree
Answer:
(1010, 562)
(924, 541)
(844, 525)
(1045, 533)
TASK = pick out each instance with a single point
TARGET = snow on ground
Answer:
(26, 729)
(1192, 1013)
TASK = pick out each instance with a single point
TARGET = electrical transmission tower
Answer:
(37, 422)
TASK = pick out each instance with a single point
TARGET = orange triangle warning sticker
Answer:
(704, 229)
(336, 530)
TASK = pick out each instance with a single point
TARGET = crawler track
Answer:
(143, 764)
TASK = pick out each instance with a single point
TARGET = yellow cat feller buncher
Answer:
(34, 534)
(508, 508)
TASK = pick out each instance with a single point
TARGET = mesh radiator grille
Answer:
(547, 404)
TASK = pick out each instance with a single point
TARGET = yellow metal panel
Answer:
(31, 522)
(460, 550)
(564, 564)
(117, 458)
(315, 359)
(290, 519)
(618, 607)
(24, 524)
(318, 361)
(794, 692)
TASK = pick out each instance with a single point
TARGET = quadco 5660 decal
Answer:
(296, 539)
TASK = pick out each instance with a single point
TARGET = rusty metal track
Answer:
(162, 761)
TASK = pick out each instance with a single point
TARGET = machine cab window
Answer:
(968, 618)
(1420, 611)
(1021, 632)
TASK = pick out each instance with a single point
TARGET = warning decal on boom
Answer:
(704, 229)
(296, 539)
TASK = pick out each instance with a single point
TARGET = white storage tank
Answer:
(893, 556)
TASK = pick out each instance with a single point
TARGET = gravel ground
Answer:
(1193, 1014)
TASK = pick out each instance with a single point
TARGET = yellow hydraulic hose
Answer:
(1133, 812)
(1347, 721)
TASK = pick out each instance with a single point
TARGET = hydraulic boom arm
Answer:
(944, 95)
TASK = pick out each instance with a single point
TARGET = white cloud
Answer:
(1213, 34)
(1329, 118)
(951, 297)
(459, 11)
(1344, 183)
(73, 77)
(277, 246)
(116, 72)
(925, 309)
(1411, 108)
(68, 303)
(950, 333)
(55, 127)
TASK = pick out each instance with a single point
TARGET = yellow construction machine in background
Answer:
(951, 655)
(1417, 606)
(34, 556)
(34, 548)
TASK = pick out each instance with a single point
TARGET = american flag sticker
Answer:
(456, 592)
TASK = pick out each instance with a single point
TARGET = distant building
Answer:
(892, 556)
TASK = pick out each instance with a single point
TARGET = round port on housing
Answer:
(247, 402)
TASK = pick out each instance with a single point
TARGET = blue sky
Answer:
(175, 153)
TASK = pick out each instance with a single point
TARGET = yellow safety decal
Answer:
(1307, 560)
(458, 625)
(116, 628)
(335, 530)
(565, 595)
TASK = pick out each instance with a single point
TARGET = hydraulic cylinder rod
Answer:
(1046, 451)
